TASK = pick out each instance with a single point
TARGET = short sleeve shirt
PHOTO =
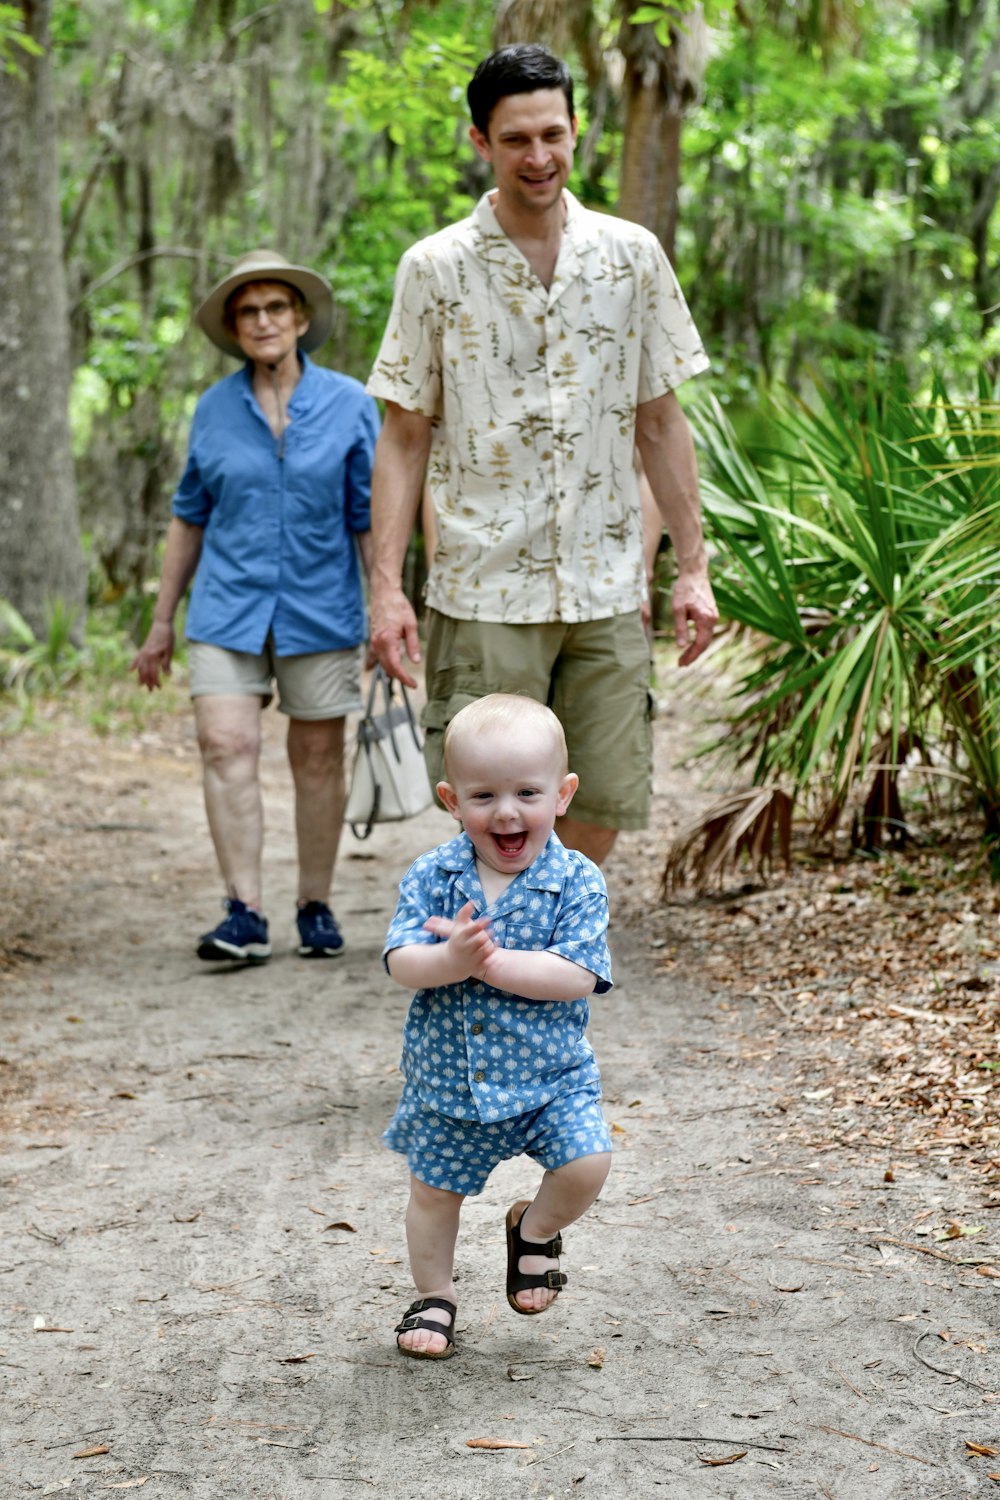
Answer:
(278, 554)
(474, 1052)
(533, 392)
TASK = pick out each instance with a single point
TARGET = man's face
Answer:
(529, 144)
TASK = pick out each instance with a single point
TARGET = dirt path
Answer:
(203, 1252)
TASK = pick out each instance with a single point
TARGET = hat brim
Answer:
(313, 288)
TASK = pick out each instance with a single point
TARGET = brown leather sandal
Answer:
(412, 1320)
(522, 1281)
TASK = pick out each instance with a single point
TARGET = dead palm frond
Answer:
(744, 824)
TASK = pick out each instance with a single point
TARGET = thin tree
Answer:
(661, 81)
(41, 559)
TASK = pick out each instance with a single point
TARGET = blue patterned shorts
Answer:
(459, 1155)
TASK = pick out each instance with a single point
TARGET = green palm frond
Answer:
(861, 553)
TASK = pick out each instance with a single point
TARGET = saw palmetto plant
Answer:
(861, 557)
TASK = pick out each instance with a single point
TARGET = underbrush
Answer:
(88, 672)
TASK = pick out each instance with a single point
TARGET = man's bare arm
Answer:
(668, 457)
(397, 483)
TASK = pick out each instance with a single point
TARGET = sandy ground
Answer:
(203, 1254)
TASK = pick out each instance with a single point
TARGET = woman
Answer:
(269, 520)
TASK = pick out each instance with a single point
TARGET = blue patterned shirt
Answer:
(477, 1053)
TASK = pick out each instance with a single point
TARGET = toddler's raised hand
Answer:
(468, 939)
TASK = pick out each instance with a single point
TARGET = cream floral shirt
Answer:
(533, 394)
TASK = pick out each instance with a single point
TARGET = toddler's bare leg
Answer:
(431, 1231)
(563, 1197)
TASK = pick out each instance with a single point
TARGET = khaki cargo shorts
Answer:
(316, 685)
(593, 675)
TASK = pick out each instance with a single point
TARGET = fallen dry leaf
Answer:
(94, 1451)
(984, 1450)
(296, 1359)
(987, 1271)
(958, 1231)
(595, 1358)
(513, 1373)
(343, 1224)
(495, 1443)
(717, 1463)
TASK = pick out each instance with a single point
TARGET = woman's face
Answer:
(266, 322)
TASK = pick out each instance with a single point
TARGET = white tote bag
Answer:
(389, 779)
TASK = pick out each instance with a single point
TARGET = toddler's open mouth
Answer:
(510, 844)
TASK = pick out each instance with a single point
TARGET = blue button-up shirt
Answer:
(474, 1052)
(278, 554)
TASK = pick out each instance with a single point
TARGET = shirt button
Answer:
(477, 1030)
(479, 1077)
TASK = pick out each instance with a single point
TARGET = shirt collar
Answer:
(546, 872)
(304, 393)
(574, 240)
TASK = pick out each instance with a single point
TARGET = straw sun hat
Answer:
(267, 265)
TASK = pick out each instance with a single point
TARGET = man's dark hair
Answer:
(521, 68)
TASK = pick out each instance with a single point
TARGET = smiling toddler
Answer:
(503, 934)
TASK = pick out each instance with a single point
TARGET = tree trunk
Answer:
(659, 84)
(41, 559)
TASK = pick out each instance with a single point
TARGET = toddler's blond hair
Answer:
(510, 712)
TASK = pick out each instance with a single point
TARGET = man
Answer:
(269, 518)
(530, 348)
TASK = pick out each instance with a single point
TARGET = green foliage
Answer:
(413, 97)
(95, 676)
(834, 193)
(404, 122)
(14, 40)
(863, 553)
(29, 662)
(838, 200)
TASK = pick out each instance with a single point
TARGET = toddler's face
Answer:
(507, 793)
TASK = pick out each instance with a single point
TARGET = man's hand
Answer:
(152, 660)
(468, 941)
(393, 624)
(694, 604)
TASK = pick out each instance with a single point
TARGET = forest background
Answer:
(824, 175)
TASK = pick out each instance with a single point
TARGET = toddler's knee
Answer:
(586, 1172)
(434, 1199)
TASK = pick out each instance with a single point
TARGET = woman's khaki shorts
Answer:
(319, 685)
(595, 678)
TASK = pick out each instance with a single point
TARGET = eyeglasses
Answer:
(273, 311)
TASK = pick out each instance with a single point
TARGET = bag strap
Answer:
(381, 679)
(376, 797)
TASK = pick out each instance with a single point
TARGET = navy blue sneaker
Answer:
(242, 937)
(319, 935)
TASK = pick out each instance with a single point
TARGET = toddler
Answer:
(503, 933)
